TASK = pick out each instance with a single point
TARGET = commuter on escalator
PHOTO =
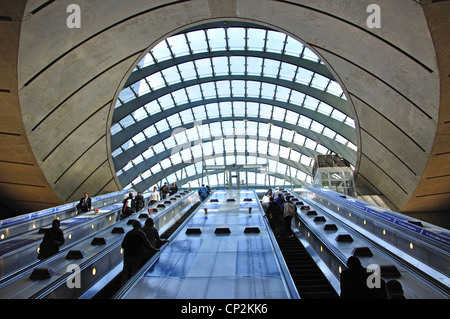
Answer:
(203, 192)
(280, 200)
(354, 281)
(129, 206)
(173, 189)
(155, 196)
(152, 234)
(164, 191)
(133, 245)
(140, 202)
(85, 204)
(265, 202)
(289, 210)
(53, 239)
(274, 216)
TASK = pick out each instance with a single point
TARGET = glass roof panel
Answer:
(178, 45)
(256, 39)
(197, 41)
(208, 102)
(161, 52)
(216, 38)
(236, 38)
(275, 41)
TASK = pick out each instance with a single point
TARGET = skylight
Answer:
(228, 95)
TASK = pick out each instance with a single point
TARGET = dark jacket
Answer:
(274, 209)
(53, 238)
(84, 205)
(152, 235)
(354, 284)
(140, 202)
(173, 189)
(134, 244)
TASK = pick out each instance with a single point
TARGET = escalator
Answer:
(114, 285)
(311, 283)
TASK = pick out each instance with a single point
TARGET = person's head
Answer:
(139, 193)
(137, 224)
(394, 288)
(154, 189)
(353, 262)
(56, 223)
(130, 195)
(150, 222)
(86, 194)
(288, 198)
(279, 195)
(271, 199)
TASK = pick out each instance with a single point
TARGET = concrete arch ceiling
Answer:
(67, 79)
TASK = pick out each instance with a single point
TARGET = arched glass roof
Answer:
(225, 94)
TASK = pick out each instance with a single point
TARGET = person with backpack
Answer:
(129, 206)
(203, 192)
(140, 201)
(289, 210)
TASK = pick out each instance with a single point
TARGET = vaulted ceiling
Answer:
(60, 88)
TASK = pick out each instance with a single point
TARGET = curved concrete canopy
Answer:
(67, 78)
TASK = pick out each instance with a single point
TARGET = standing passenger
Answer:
(203, 192)
(164, 190)
(140, 202)
(152, 234)
(354, 281)
(85, 204)
(154, 197)
(133, 245)
(274, 215)
(289, 210)
(129, 206)
(173, 189)
(53, 238)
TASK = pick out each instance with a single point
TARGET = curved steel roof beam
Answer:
(145, 71)
(330, 99)
(122, 159)
(130, 131)
(138, 169)
(334, 146)
(188, 179)
(153, 179)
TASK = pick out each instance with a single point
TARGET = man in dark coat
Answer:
(173, 189)
(85, 204)
(152, 234)
(274, 215)
(140, 202)
(354, 281)
(129, 205)
(53, 238)
(133, 245)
